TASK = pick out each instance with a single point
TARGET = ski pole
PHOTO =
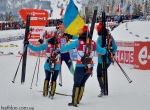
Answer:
(60, 77)
(123, 71)
(18, 65)
(34, 72)
(38, 68)
(17, 69)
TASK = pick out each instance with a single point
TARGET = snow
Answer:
(56, 11)
(140, 28)
(122, 94)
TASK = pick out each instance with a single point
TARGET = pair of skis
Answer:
(24, 56)
(104, 57)
(27, 31)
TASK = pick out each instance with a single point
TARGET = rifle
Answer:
(54, 56)
(87, 60)
(109, 47)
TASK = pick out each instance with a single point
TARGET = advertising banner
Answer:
(142, 55)
(125, 53)
(38, 19)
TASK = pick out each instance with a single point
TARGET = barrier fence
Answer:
(8, 39)
(129, 54)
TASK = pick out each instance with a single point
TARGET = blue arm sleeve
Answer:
(70, 46)
(37, 48)
(114, 45)
(75, 37)
(99, 41)
(100, 50)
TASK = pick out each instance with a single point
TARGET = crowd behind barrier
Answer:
(56, 22)
(12, 25)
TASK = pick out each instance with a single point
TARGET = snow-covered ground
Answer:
(140, 28)
(122, 95)
(56, 11)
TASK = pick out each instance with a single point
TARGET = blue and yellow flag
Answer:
(72, 21)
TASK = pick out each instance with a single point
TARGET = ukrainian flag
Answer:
(72, 21)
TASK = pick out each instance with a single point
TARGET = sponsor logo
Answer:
(37, 30)
(63, 40)
(124, 57)
(41, 18)
(143, 56)
(37, 13)
(84, 47)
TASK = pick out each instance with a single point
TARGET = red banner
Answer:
(142, 55)
(38, 20)
(124, 57)
(125, 53)
(38, 16)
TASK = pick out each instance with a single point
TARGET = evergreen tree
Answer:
(134, 8)
(112, 6)
(138, 10)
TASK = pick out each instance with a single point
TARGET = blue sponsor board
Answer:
(13, 39)
(20, 37)
(3, 40)
(73, 54)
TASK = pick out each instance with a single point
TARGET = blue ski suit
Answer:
(80, 77)
(65, 56)
(99, 66)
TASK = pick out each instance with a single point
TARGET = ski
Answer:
(104, 63)
(58, 94)
(86, 58)
(93, 20)
(27, 31)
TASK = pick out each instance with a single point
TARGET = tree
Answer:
(138, 10)
(112, 6)
(134, 8)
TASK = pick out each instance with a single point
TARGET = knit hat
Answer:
(99, 26)
(61, 26)
(84, 29)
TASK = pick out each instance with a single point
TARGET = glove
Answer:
(57, 51)
(41, 41)
(26, 42)
(109, 49)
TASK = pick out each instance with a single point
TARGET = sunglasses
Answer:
(61, 29)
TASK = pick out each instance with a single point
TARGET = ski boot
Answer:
(45, 88)
(80, 94)
(74, 97)
(52, 91)
(101, 93)
(51, 96)
(71, 104)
